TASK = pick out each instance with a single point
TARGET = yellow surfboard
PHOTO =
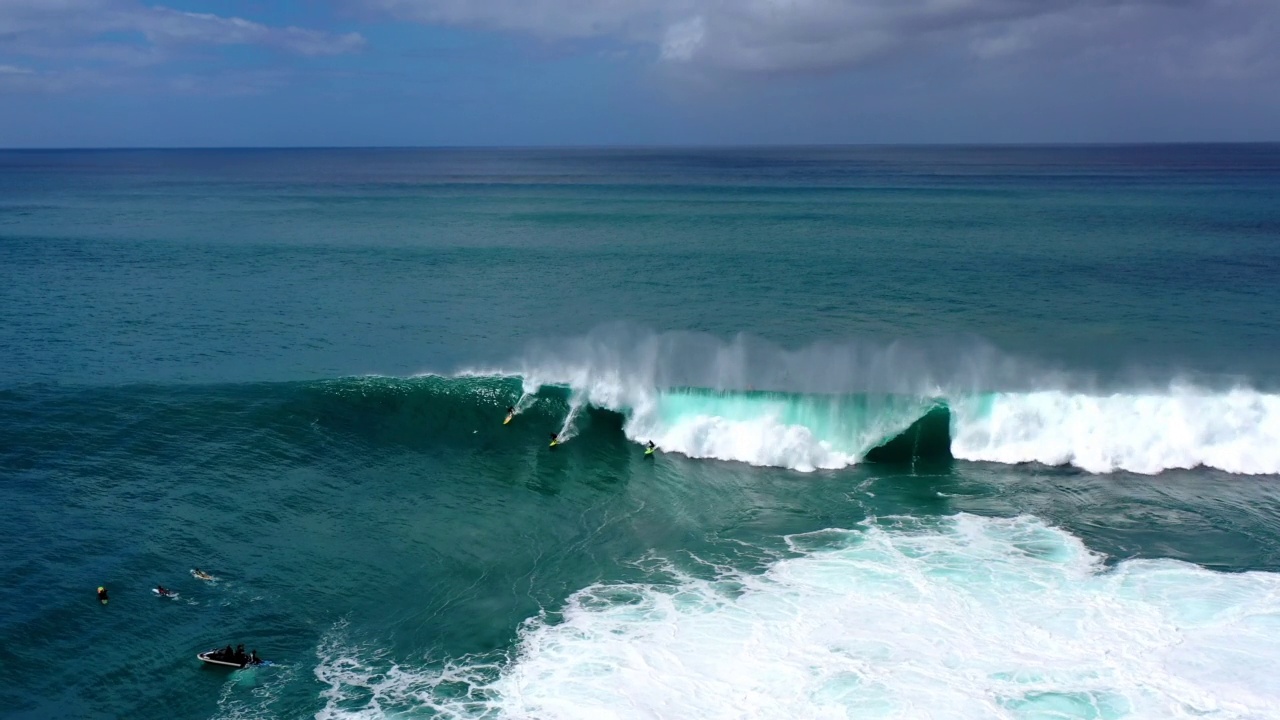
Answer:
(508, 419)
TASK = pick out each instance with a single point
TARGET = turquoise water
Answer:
(943, 432)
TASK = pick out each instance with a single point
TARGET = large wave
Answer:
(830, 406)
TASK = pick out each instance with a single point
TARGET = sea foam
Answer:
(959, 617)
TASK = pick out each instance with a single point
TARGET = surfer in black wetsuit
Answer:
(164, 591)
(651, 445)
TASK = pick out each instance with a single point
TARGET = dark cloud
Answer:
(1218, 38)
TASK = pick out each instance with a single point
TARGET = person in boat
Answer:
(226, 654)
(102, 594)
(254, 659)
(240, 657)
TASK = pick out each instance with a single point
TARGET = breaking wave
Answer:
(828, 407)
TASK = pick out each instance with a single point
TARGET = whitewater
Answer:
(898, 618)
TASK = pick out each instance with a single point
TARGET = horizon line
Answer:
(640, 146)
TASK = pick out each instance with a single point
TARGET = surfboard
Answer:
(104, 602)
(555, 443)
(207, 656)
(508, 419)
(202, 576)
(172, 595)
(648, 451)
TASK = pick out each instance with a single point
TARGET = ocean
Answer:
(941, 432)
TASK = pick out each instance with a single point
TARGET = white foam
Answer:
(959, 618)
(1237, 431)
(762, 441)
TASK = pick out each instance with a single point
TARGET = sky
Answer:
(124, 73)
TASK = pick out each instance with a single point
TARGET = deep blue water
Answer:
(941, 431)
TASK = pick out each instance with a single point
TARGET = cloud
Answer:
(1190, 37)
(161, 25)
(79, 45)
(132, 33)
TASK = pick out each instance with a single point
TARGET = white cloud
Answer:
(162, 25)
(85, 45)
(35, 27)
(684, 39)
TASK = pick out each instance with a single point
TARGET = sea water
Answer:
(942, 432)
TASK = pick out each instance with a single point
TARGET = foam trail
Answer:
(527, 399)
(524, 403)
(945, 618)
(569, 429)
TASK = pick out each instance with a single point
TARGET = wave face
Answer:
(959, 617)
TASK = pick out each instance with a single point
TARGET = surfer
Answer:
(555, 439)
(201, 574)
(511, 412)
(650, 448)
(164, 591)
(102, 595)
